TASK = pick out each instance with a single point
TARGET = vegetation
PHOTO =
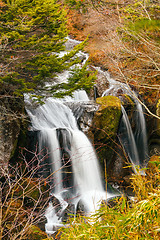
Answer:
(24, 195)
(125, 41)
(134, 219)
(32, 34)
(140, 35)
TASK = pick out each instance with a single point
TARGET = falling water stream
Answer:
(87, 184)
(58, 131)
(133, 142)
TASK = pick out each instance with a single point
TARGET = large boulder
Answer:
(106, 119)
(105, 126)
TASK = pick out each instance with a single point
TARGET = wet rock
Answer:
(13, 209)
(81, 208)
(84, 113)
(111, 202)
(117, 168)
(41, 223)
(56, 203)
(158, 120)
(127, 101)
(154, 146)
(101, 83)
(107, 117)
(67, 196)
(68, 212)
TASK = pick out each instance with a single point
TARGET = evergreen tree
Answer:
(32, 34)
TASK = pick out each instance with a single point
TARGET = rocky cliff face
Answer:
(11, 115)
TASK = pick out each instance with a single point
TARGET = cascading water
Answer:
(141, 135)
(128, 141)
(73, 165)
(53, 119)
(134, 143)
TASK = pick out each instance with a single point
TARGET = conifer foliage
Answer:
(32, 34)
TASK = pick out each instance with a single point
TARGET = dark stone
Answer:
(56, 203)
(12, 117)
(105, 126)
(41, 223)
(81, 209)
(68, 213)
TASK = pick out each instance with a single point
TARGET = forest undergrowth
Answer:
(134, 218)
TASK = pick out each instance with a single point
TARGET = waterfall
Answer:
(58, 131)
(127, 140)
(133, 142)
(141, 135)
(72, 163)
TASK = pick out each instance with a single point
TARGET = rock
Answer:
(56, 204)
(105, 125)
(84, 113)
(101, 82)
(107, 117)
(68, 212)
(111, 202)
(81, 208)
(127, 101)
(67, 196)
(11, 115)
(41, 223)
(13, 209)
(117, 168)
(154, 146)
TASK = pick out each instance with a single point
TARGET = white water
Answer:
(87, 183)
(141, 135)
(51, 120)
(48, 137)
(128, 141)
(86, 170)
(134, 143)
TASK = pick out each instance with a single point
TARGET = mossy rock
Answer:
(106, 119)
(127, 101)
(35, 233)
(105, 126)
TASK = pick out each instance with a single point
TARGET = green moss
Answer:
(108, 101)
(105, 126)
(127, 100)
(107, 118)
